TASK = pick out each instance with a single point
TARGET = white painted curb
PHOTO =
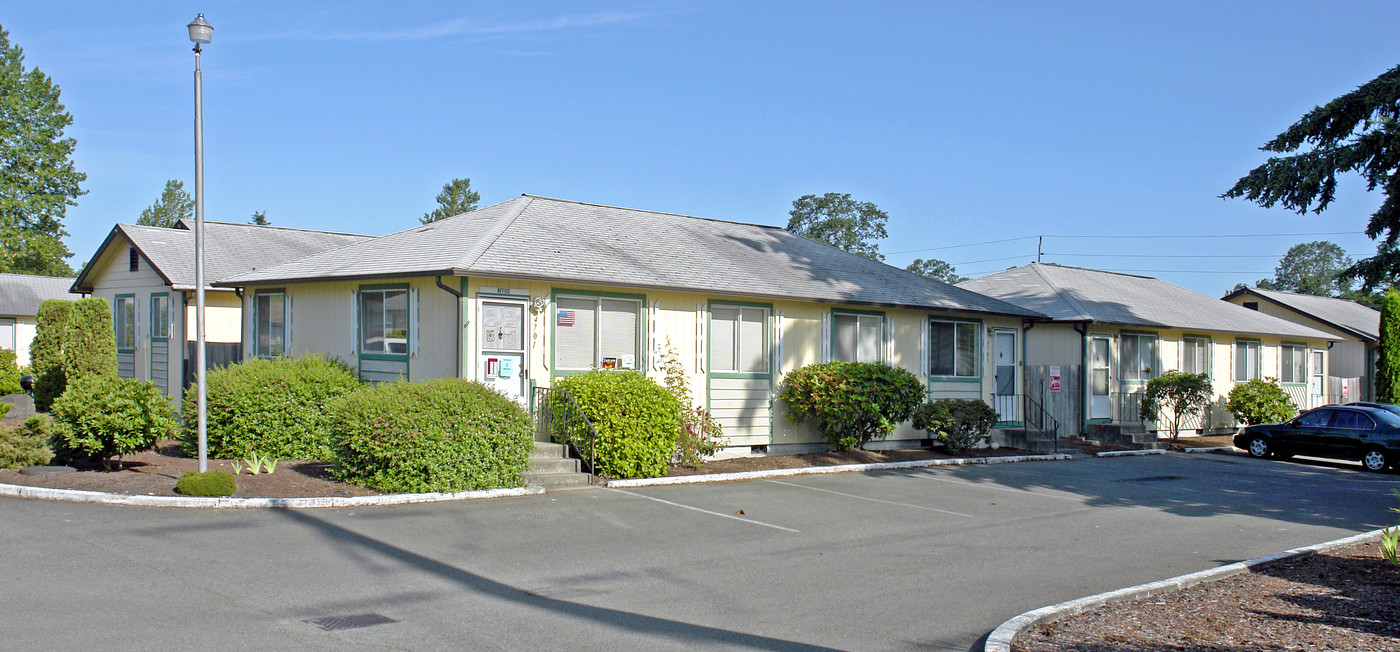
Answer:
(1001, 639)
(1153, 451)
(1209, 449)
(843, 468)
(76, 496)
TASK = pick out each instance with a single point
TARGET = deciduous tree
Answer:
(1312, 268)
(841, 222)
(936, 270)
(1177, 394)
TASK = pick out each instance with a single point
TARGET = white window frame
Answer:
(861, 319)
(766, 346)
(1205, 344)
(973, 330)
(124, 329)
(1256, 370)
(384, 323)
(639, 338)
(258, 322)
(1139, 373)
(1294, 349)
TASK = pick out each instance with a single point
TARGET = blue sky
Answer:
(976, 126)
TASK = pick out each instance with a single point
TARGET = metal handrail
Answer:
(1041, 414)
(1030, 411)
(557, 415)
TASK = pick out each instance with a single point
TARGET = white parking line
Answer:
(873, 500)
(706, 511)
(979, 485)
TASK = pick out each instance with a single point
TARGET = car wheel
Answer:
(1259, 447)
(1374, 460)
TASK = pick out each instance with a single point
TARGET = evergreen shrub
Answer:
(278, 408)
(1260, 401)
(9, 373)
(209, 483)
(436, 435)
(89, 341)
(26, 445)
(637, 421)
(100, 417)
(852, 402)
(957, 423)
(46, 351)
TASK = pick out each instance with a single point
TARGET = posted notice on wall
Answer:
(1054, 379)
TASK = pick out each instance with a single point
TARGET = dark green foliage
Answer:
(852, 402)
(842, 222)
(174, 205)
(1260, 401)
(457, 197)
(936, 269)
(1178, 394)
(1357, 132)
(89, 343)
(278, 407)
(956, 422)
(209, 483)
(99, 417)
(46, 351)
(1388, 362)
(637, 421)
(38, 181)
(26, 445)
(9, 373)
(438, 435)
(701, 435)
(1312, 268)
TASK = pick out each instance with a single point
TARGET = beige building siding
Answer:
(1348, 357)
(1054, 344)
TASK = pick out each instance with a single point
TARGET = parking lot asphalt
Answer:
(922, 559)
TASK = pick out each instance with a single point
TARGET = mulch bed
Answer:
(1344, 599)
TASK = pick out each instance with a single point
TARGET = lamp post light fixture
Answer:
(201, 32)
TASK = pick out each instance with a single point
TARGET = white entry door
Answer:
(501, 340)
(1100, 402)
(1008, 401)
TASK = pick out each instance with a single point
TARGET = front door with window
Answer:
(1100, 402)
(501, 344)
(1004, 359)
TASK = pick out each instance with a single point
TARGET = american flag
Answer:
(566, 318)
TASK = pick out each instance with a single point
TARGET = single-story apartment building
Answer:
(1110, 333)
(20, 296)
(523, 292)
(147, 273)
(1352, 372)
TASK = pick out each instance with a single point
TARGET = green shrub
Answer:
(957, 423)
(1388, 357)
(89, 343)
(1260, 401)
(1177, 394)
(101, 417)
(701, 435)
(9, 373)
(278, 408)
(46, 351)
(637, 421)
(209, 483)
(437, 435)
(26, 445)
(852, 402)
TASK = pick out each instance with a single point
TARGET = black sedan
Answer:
(1366, 433)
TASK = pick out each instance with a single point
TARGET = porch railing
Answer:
(1129, 406)
(1029, 412)
(559, 418)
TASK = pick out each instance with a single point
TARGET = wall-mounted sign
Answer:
(1054, 379)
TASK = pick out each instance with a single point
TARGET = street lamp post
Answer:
(200, 33)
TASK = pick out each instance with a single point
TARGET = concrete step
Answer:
(555, 465)
(544, 449)
(552, 468)
(553, 481)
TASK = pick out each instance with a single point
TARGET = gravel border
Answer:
(77, 496)
(840, 468)
(1002, 638)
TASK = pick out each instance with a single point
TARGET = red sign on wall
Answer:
(1054, 379)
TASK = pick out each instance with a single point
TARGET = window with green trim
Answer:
(952, 348)
(738, 339)
(857, 337)
(1293, 363)
(124, 322)
(597, 333)
(160, 316)
(384, 321)
(270, 324)
(1246, 360)
(1137, 357)
(1195, 355)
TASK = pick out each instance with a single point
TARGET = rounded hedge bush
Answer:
(99, 417)
(1260, 401)
(637, 421)
(852, 402)
(46, 351)
(27, 444)
(209, 483)
(9, 373)
(437, 435)
(277, 408)
(957, 423)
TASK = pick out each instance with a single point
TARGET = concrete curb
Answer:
(844, 468)
(1153, 451)
(1209, 449)
(1001, 639)
(76, 496)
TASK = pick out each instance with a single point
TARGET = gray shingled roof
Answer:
(1350, 316)
(21, 294)
(229, 249)
(1077, 294)
(539, 238)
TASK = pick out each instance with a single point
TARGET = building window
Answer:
(952, 349)
(1195, 353)
(1246, 360)
(1293, 363)
(1137, 357)
(160, 316)
(270, 325)
(1252, 305)
(383, 321)
(124, 321)
(738, 339)
(597, 333)
(133, 259)
(857, 337)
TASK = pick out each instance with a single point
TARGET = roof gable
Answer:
(1362, 321)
